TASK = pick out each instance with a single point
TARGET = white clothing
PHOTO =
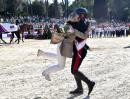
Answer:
(59, 66)
(7, 27)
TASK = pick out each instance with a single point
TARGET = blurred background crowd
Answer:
(109, 18)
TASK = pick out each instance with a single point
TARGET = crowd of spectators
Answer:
(42, 27)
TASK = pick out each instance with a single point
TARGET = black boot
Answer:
(86, 80)
(79, 89)
(90, 87)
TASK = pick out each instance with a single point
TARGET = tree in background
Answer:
(13, 6)
(2, 5)
(66, 8)
(100, 10)
(38, 8)
(56, 10)
(46, 7)
(119, 9)
(84, 3)
(10, 6)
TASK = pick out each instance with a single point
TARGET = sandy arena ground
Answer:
(21, 71)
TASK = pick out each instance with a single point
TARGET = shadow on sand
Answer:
(75, 96)
(127, 47)
(88, 97)
(38, 98)
(7, 44)
(4, 44)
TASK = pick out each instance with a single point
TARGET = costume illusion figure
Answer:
(72, 44)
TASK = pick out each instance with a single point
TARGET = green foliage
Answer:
(1, 6)
(11, 6)
(120, 9)
(99, 9)
(38, 8)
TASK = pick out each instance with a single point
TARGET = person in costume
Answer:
(81, 26)
(73, 45)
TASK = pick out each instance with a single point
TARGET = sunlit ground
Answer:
(108, 65)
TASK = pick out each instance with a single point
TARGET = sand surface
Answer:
(21, 71)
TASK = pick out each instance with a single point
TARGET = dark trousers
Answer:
(76, 62)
